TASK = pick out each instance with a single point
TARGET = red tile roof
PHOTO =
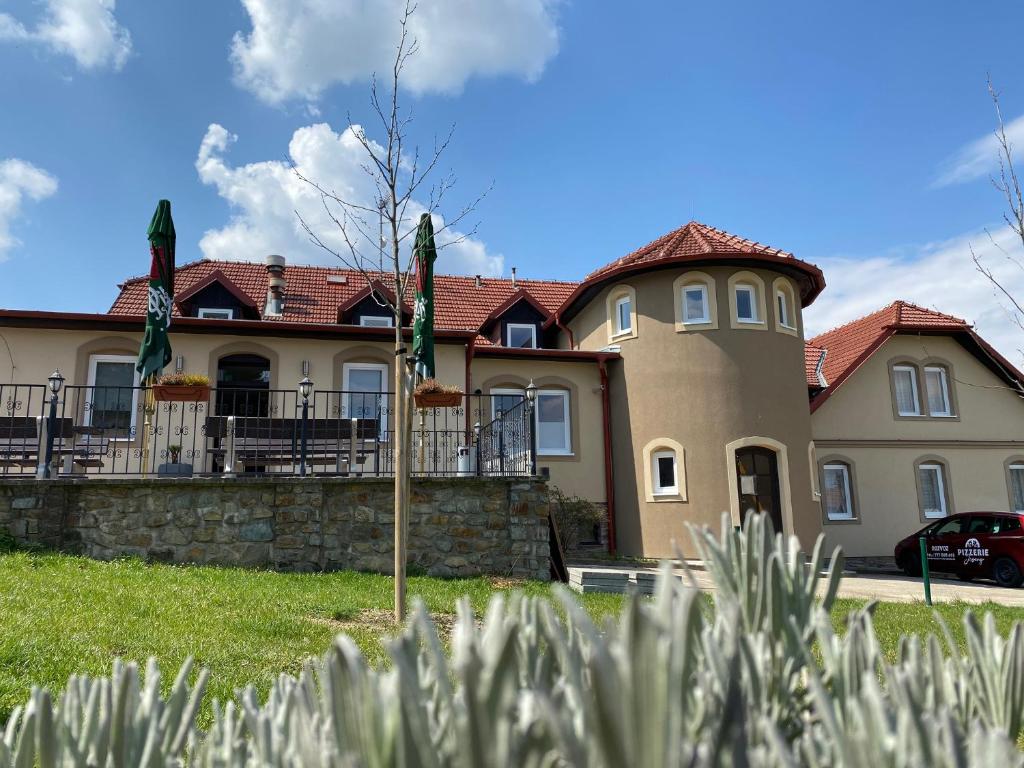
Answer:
(813, 359)
(310, 297)
(847, 347)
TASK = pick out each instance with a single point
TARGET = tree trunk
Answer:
(401, 476)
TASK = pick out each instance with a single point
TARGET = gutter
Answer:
(609, 482)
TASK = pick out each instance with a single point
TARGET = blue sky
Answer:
(852, 134)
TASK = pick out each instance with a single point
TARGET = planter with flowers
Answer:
(182, 388)
(430, 393)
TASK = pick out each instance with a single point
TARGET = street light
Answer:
(54, 382)
(531, 403)
(305, 389)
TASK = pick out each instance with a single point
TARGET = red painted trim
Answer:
(609, 481)
(544, 354)
(567, 329)
(816, 277)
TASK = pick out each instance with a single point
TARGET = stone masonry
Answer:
(457, 526)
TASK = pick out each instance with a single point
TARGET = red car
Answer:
(972, 545)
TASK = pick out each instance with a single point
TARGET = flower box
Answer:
(181, 393)
(438, 399)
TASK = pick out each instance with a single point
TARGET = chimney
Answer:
(275, 285)
(513, 277)
(478, 283)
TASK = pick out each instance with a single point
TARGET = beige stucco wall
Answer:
(704, 389)
(856, 424)
(582, 473)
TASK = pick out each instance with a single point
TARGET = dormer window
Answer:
(374, 321)
(212, 313)
(521, 335)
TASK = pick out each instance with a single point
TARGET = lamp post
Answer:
(531, 404)
(305, 389)
(54, 382)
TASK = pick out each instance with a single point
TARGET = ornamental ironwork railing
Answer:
(130, 431)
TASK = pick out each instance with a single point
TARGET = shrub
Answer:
(574, 517)
(763, 680)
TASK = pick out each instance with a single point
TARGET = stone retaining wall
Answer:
(457, 526)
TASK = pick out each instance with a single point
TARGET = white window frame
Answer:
(657, 489)
(567, 410)
(783, 310)
(752, 290)
(847, 492)
(210, 312)
(91, 383)
(706, 316)
(510, 391)
(346, 370)
(939, 470)
(1015, 467)
(619, 302)
(944, 382)
(913, 387)
(376, 321)
(519, 326)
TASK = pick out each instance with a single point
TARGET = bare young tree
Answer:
(1009, 185)
(376, 241)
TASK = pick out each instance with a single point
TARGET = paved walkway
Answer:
(884, 587)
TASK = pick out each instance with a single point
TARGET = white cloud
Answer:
(980, 157)
(264, 197)
(19, 180)
(939, 276)
(86, 30)
(299, 48)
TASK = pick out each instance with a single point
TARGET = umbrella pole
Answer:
(149, 406)
(423, 436)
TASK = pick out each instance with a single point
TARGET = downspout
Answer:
(567, 329)
(470, 350)
(609, 483)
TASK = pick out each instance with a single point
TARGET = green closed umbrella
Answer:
(155, 352)
(423, 313)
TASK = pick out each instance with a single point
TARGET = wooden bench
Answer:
(21, 443)
(87, 448)
(20, 438)
(257, 441)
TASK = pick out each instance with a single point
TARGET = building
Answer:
(672, 386)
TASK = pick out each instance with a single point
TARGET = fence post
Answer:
(924, 571)
(302, 438)
(51, 428)
(530, 421)
(229, 454)
(479, 453)
(352, 445)
(501, 443)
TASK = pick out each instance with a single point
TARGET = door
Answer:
(757, 480)
(243, 386)
(365, 398)
(972, 556)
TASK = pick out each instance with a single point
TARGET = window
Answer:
(980, 524)
(663, 473)
(905, 385)
(112, 395)
(782, 308)
(936, 386)
(746, 304)
(521, 335)
(505, 400)
(836, 495)
(623, 315)
(932, 488)
(950, 527)
(376, 321)
(552, 422)
(695, 304)
(216, 314)
(1016, 487)
(1006, 525)
(366, 393)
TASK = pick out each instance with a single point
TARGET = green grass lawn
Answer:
(61, 615)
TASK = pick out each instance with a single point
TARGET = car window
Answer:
(980, 524)
(949, 526)
(1006, 524)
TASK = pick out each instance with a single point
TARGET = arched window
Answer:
(936, 387)
(243, 385)
(664, 470)
(746, 301)
(837, 489)
(785, 306)
(933, 492)
(621, 305)
(696, 303)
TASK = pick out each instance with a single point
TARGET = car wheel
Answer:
(909, 564)
(1006, 572)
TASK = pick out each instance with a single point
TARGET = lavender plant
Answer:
(760, 680)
